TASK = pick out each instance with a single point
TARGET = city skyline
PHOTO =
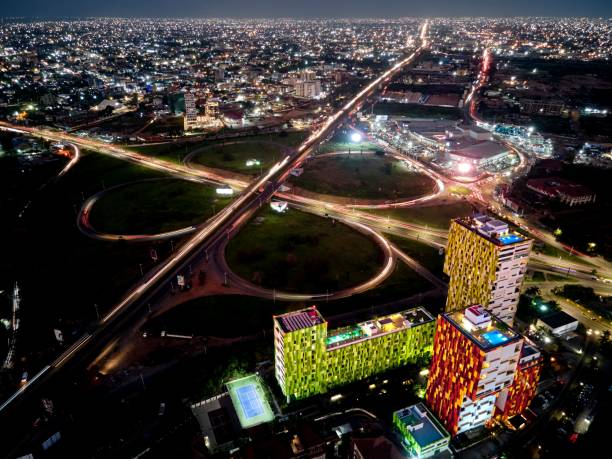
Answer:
(313, 10)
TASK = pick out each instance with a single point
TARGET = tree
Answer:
(533, 291)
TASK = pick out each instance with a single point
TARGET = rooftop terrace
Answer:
(377, 327)
(421, 424)
(494, 230)
(304, 318)
(485, 330)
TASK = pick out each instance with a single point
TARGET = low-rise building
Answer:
(558, 323)
(422, 434)
(566, 191)
(480, 154)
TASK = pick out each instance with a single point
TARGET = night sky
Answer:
(303, 9)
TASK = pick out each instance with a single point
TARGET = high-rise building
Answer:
(486, 262)
(516, 398)
(310, 360)
(475, 357)
(309, 89)
(212, 108)
(191, 112)
(307, 75)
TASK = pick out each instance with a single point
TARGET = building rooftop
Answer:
(481, 150)
(553, 186)
(304, 318)
(481, 327)
(492, 229)
(377, 327)
(423, 426)
(530, 354)
(558, 319)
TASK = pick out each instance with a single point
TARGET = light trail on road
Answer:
(224, 221)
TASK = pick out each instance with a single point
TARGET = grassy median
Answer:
(435, 216)
(155, 206)
(364, 176)
(301, 252)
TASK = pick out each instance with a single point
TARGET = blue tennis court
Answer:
(250, 401)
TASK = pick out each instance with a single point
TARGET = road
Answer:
(221, 225)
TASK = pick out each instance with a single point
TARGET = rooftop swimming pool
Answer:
(510, 238)
(495, 337)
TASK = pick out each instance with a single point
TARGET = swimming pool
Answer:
(495, 337)
(510, 238)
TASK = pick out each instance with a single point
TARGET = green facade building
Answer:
(309, 360)
(422, 434)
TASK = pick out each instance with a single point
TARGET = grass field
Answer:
(426, 255)
(218, 315)
(549, 250)
(213, 316)
(176, 151)
(62, 273)
(233, 156)
(402, 283)
(341, 141)
(363, 177)
(301, 252)
(438, 216)
(459, 190)
(155, 207)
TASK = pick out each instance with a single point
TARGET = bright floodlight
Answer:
(356, 137)
(464, 168)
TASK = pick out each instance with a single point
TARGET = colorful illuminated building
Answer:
(475, 356)
(486, 262)
(310, 360)
(516, 398)
(422, 435)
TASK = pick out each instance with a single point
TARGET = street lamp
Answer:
(356, 137)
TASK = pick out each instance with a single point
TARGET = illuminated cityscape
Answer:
(273, 230)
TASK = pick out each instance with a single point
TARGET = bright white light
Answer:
(356, 137)
(464, 168)
(225, 191)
